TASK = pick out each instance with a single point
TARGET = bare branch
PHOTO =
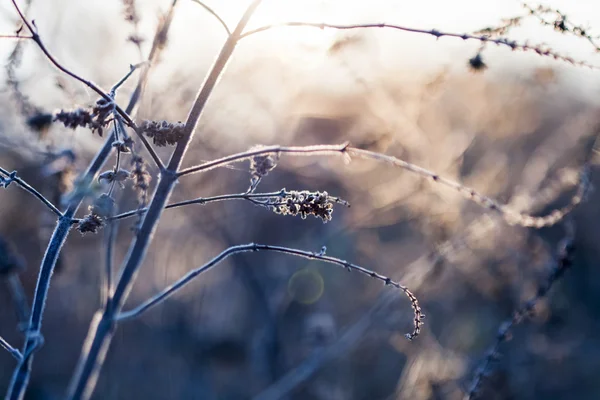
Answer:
(253, 247)
(345, 150)
(214, 14)
(511, 44)
(563, 262)
(10, 177)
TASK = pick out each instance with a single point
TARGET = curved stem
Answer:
(214, 14)
(253, 247)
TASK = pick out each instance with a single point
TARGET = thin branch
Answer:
(22, 373)
(563, 262)
(345, 150)
(13, 352)
(510, 216)
(214, 14)
(106, 96)
(513, 45)
(12, 177)
(132, 69)
(253, 247)
(15, 37)
(254, 198)
(351, 337)
(320, 150)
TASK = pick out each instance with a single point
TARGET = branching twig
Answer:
(104, 324)
(21, 375)
(564, 261)
(106, 96)
(14, 352)
(10, 177)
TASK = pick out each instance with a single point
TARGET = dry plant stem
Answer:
(345, 150)
(214, 14)
(21, 375)
(31, 190)
(124, 114)
(563, 263)
(254, 247)
(513, 45)
(22, 372)
(13, 352)
(202, 200)
(104, 323)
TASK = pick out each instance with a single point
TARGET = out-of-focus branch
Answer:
(484, 39)
(563, 262)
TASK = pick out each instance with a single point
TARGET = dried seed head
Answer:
(90, 223)
(163, 133)
(96, 119)
(141, 178)
(304, 203)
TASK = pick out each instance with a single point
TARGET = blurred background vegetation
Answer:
(518, 131)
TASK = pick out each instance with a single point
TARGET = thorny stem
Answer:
(104, 324)
(513, 45)
(12, 177)
(254, 247)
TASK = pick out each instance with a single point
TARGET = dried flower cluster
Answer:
(102, 208)
(96, 119)
(141, 178)
(304, 203)
(163, 133)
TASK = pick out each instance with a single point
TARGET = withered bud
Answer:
(118, 176)
(163, 133)
(90, 223)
